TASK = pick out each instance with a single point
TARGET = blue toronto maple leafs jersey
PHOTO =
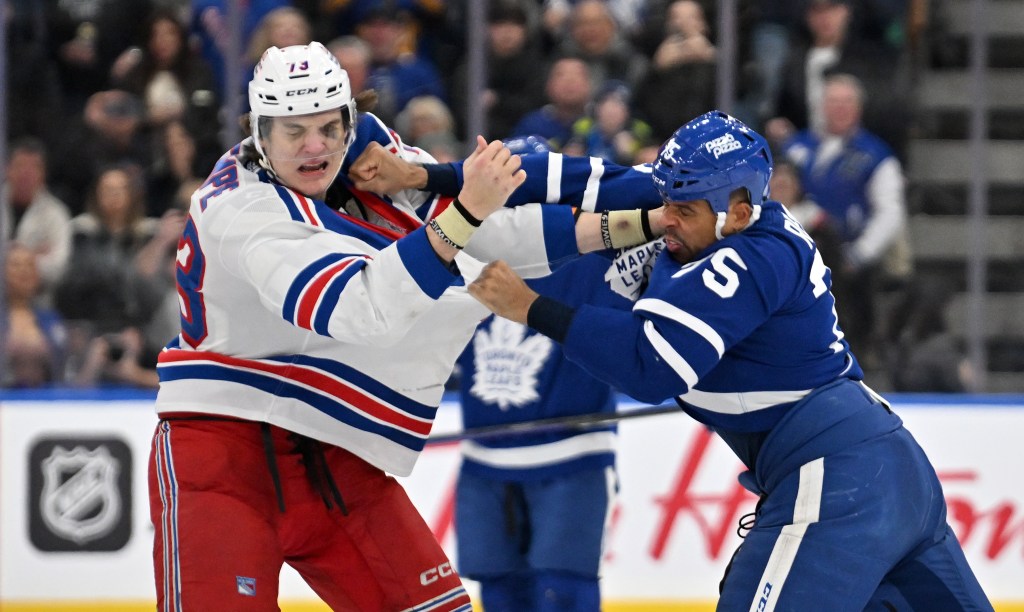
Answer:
(738, 335)
(587, 182)
(511, 374)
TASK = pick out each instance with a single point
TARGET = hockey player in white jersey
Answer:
(315, 343)
(737, 323)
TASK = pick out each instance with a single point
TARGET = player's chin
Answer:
(318, 180)
(677, 250)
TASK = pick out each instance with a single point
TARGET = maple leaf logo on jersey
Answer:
(631, 268)
(507, 363)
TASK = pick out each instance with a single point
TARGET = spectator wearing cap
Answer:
(421, 22)
(568, 91)
(594, 37)
(396, 74)
(610, 131)
(683, 71)
(515, 84)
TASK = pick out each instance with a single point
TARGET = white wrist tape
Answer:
(453, 227)
(626, 228)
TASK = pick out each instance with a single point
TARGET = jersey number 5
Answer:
(724, 280)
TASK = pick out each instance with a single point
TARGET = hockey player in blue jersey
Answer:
(738, 324)
(531, 509)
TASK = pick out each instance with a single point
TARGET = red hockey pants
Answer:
(348, 528)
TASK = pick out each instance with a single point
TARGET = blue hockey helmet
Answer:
(709, 158)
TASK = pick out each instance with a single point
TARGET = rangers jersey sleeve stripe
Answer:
(304, 295)
(426, 268)
(328, 393)
(329, 301)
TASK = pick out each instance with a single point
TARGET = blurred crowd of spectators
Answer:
(114, 119)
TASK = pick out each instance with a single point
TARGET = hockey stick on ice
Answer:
(579, 421)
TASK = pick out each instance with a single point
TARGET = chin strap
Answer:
(720, 222)
(754, 216)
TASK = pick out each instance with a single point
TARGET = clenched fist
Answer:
(381, 171)
(491, 174)
(501, 290)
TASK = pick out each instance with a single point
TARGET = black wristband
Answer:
(550, 317)
(434, 225)
(442, 179)
(576, 212)
(645, 224)
(466, 214)
(606, 234)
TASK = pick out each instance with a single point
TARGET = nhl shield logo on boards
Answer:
(80, 494)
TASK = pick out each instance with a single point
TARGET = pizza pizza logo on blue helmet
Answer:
(709, 158)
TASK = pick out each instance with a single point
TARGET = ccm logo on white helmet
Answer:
(300, 92)
(433, 574)
(722, 145)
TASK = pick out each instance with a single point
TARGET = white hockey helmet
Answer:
(300, 80)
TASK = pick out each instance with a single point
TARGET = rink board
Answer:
(672, 533)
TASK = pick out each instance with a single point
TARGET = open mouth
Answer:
(313, 168)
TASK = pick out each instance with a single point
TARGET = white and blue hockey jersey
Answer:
(323, 323)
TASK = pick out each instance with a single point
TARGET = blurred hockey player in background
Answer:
(532, 509)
